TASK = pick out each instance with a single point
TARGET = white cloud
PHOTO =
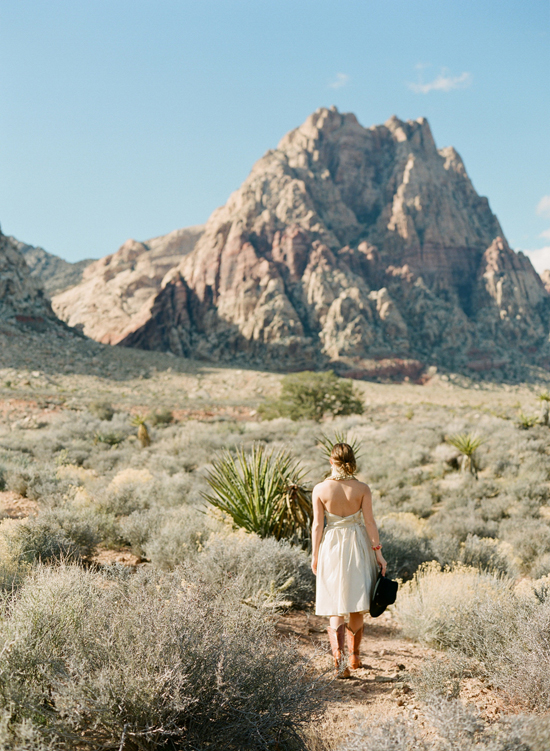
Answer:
(442, 82)
(339, 80)
(543, 206)
(540, 258)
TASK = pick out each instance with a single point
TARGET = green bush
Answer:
(92, 660)
(310, 396)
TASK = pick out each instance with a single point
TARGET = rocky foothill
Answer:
(366, 250)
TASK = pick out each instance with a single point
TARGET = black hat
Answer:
(385, 592)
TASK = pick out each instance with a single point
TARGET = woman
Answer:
(344, 558)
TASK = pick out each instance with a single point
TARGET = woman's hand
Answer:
(380, 561)
(314, 565)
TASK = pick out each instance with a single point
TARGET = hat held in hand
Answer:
(385, 592)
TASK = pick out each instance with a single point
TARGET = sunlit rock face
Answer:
(345, 245)
(116, 292)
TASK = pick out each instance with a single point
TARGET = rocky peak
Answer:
(343, 244)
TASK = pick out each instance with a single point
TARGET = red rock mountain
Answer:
(345, 245)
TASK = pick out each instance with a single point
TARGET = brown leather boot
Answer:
(337, 638)
(353, 639)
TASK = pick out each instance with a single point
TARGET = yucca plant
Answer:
(326, 443)
(544, 400)
(111, 439)
(526, 421)
(467, 444)
(262, 491)
(142, 433)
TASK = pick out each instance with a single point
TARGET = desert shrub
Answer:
(529, 538)
(17, 482)
(162, 661)
(440, 676)
(268, 569)
(484, 617)
(102, 410)
(405, 544)
(438, 607)
(309, 396)
(177, 537)
(262, 492)
(161, 417)
(137, 528)
(59, 534)
(486, 554)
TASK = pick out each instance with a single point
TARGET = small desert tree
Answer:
(467, 444)
(310, 396)
(262, 492)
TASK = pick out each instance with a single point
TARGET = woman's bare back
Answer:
(342, 497)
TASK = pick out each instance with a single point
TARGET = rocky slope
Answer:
(22, 298)
(116, 292)
(54, 274)
(347, 245)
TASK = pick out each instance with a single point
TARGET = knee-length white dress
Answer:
(346, 567)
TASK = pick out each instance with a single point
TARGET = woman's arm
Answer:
(316, 528)
(372, 529)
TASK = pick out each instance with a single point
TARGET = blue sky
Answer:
(131, 118)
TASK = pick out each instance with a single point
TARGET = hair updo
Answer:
(343, 458)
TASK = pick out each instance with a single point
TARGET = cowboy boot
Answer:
(353, 639)
(337, 638)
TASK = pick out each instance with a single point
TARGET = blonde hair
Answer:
(343, 457)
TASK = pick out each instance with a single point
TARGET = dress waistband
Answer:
(341, 522)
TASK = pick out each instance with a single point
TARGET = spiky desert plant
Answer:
(262, 491)
(111, 439)
(524, 422)
(544, 399)
(467, 444)
(142, 430)
(326, 442)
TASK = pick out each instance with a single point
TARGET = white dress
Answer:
(346, 567)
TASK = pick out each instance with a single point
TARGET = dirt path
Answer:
(382, 688)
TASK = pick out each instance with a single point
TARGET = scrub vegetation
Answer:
(179, 650)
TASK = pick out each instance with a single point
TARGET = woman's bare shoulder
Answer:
(321, 486)
(364, 487)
